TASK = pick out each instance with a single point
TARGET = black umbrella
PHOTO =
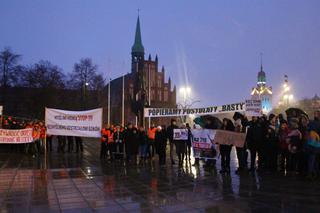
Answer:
(295, 113)
(209, 122)
(237, 115)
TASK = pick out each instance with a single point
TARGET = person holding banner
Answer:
(225, 150)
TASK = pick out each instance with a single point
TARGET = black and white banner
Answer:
(174, 112)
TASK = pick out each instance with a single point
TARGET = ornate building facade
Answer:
(144, 86)
(263, 92)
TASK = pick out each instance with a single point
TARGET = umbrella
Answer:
(237, 115)
(296, 113)
(208, 121)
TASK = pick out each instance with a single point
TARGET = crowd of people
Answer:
(272, 143)
(42, 140)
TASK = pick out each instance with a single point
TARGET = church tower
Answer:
(137, 50)
(262, 91)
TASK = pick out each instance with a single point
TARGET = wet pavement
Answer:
(73, 182)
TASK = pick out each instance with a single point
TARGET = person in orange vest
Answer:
(42, 135)
(151, 136)
(104, 141)
(111, 145)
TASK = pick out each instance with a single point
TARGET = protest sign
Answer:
(74, 123)
(16, 136)
(169, 112)
(253, 107)
(180, 134)
(229, 138)
(1, 108)
(203, 144)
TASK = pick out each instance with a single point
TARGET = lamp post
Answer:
(287, 96)
(185, 91)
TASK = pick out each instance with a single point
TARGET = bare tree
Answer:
(86, 78)
(44, 75)
(9, 64)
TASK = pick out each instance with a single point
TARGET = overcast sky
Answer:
(214, 46)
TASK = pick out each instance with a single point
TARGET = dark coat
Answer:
(131, 141)
(170, 132)
(161, 141)
(254, 135)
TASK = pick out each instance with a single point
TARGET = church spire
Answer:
(261, 67)
(137, 46)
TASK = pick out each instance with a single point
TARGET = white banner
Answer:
(1, 108)
(253, 107)
(11, 136)
(170, 112)
(74, 123)
(205, 140)
(203, 143)
(180, 134)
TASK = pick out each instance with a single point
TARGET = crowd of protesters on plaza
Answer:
(42, 141)
(272, 143)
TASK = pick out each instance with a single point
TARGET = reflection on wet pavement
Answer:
(73, 182)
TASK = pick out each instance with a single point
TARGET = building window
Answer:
(152, 95)
(160, 95)
(165, 95)
(159, 81)
(131, 91)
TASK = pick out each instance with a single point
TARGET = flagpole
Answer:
(122, 117)
(109, 88)
(149, 95)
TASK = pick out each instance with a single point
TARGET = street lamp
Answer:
(185, 91)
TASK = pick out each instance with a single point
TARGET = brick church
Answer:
(144, 86)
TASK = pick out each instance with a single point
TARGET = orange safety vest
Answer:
(104, 133)
(110, 140)
(152, 133)
(43, 133)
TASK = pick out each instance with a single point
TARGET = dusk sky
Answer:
(212, 45)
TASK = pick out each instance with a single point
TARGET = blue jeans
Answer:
(143, 150)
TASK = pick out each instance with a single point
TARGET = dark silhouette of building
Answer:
(144, 86)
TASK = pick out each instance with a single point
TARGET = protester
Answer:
(131, 143)
(170, 138)
(188, 143)
(271, 145)
(181, 148)
(151, 137)
(295, 145)
(70, 143)
(79, 145)
(118, 139)
(104, 142)
(143, 144)
(225, 150)
(283, 146)
(161, 144)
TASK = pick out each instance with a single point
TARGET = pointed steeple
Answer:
(261, 74)
(137, 46)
